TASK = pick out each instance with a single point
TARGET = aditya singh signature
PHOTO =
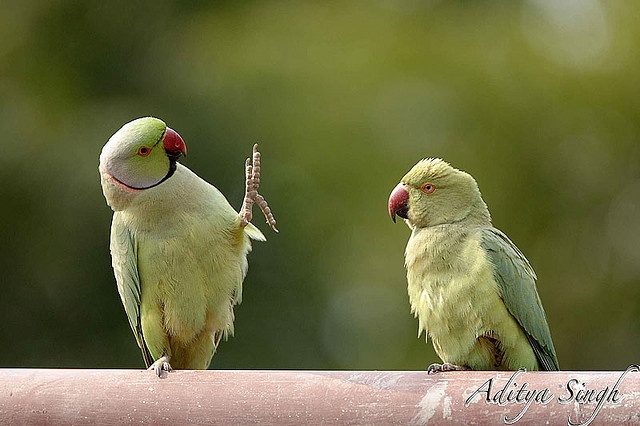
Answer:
(574, 391)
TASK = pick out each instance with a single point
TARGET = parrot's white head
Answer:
(434, 193)
(141, 155)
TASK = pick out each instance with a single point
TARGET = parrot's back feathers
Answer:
(254, 233)
(516, 280)
(125, 266)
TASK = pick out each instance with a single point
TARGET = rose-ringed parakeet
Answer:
(472, 290)
(179, 250)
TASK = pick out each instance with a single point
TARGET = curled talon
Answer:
(440, 368)
(252, 173)
(161, 365)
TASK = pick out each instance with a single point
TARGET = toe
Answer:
(434, 368)
(161, 365)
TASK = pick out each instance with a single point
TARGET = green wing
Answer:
(124, 257)
(517, 280)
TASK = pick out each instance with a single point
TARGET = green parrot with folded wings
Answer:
(179, 250)
(472, 290)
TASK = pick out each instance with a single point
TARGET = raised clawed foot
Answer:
(251, 196)
(440, 368)
(161, 365)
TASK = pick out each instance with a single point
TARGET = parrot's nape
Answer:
(472, 290)
(179, 249)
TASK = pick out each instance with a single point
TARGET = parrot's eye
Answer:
(143, 151)
(428, 188)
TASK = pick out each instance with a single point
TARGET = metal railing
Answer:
(64, 396)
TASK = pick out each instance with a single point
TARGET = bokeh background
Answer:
(538, 99)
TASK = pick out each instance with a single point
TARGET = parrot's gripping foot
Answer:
(161, 365)
(439, 368)
(251, 196)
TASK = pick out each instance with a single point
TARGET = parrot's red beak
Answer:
(173, 143)
(398, 202)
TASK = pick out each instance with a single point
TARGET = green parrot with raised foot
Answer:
(179, 250)
(473, 292)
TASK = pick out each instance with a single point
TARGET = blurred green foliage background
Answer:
(539, 100)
